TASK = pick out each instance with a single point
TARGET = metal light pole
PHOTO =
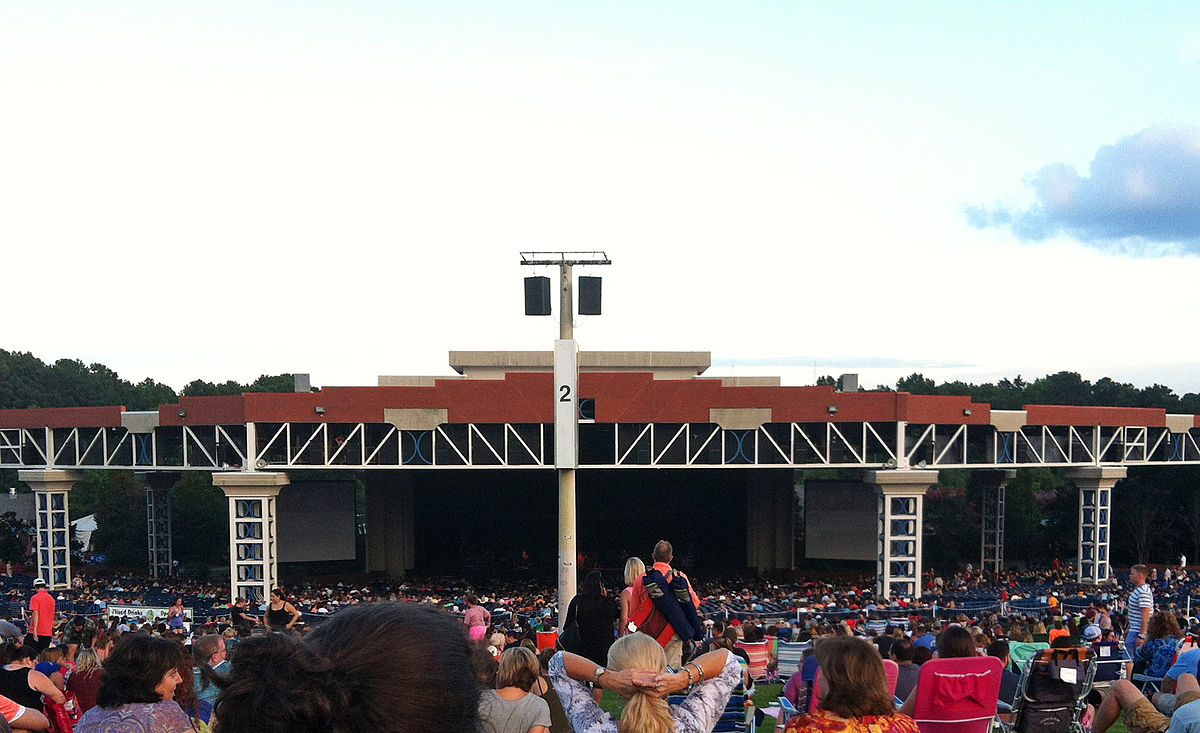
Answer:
(566, 411)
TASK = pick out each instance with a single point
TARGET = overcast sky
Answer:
(971, 190)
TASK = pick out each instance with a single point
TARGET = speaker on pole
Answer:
(537, 296)
(589, 296)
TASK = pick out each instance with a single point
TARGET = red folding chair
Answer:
(759, 655)
(957, 695)
(547, 640)
(63, 716)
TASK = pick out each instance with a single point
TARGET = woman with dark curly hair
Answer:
(377, 668)
(138, 689)
(1162, 641)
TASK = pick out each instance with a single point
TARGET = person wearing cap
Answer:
(41, 611)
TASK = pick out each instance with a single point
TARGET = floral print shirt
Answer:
(159, 717)
(698, 713)
(823, 721)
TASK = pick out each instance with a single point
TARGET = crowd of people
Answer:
(309, 657)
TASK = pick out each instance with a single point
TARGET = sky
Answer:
(972, 191)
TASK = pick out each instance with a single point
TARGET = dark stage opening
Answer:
(501, 522)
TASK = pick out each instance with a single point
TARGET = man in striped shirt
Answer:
(1138, 608)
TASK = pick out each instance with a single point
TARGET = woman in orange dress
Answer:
(854, 693)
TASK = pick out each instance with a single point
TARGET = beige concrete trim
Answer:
(416, 418)
(902, 482)
(739, 418)
(1009, 421)
(1180, 423)
(140, 422)
(1097, 476)
(663, 364)
(393, 380)
(747, 381)
(250, 483)
(49, 479)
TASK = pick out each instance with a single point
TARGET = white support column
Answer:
(901, 501)
(991, 556)
(253, 551)
(52, 509)
(1095, 515)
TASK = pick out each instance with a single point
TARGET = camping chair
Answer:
(958, 695)
(1020, 652)
(1110, 660)
(808, 673)
(547, 640)
(760, 655)
(789, 656)
(738, 716)
(1149, 684)
(1051, 696)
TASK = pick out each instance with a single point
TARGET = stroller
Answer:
(1051, 696)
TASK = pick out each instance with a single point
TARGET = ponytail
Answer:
(646, 714)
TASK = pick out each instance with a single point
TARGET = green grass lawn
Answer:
(765, 696)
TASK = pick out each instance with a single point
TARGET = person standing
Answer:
(476, 619)
(595, 613)
(667, 591)
(238, 618)
(1138, 608)
(281, 615)
(41, 611)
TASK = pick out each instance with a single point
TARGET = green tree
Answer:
(916, 384)
(121, 521)
(199, 519)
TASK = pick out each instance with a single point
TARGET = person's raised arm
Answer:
(704, 667)
(623, 682)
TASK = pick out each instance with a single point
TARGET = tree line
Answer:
(200, 525)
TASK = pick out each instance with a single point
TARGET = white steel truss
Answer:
(601, 445)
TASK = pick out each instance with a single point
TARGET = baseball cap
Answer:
(39, 583)
(1092, 632)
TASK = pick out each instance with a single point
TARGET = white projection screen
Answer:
(840, 521)
(315, 521)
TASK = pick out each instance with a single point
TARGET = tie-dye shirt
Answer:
(823, 721)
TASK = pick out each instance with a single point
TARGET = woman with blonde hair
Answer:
(634, 569)
(637, 671)
(511, 708)
(85, 680)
